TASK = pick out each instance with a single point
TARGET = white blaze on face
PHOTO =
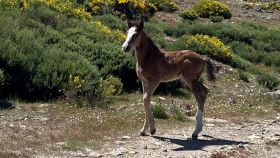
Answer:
(130, 34)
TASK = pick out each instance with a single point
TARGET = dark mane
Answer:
(154, 48)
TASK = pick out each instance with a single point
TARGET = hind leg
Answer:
(200, 92)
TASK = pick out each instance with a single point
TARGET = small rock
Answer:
(119, 151)
(164, 150)
(43, 119)
(119, 142)
(132, 152)
(94, 154)
(17, 153)
(162, 98)
(80, 155)
(258, 9)
(153, 103)
(145, 147)
(43, 105)
(210, 125)
(269, 11)
(125, 137)
(11, 125)
(61, 143)
(253, 136)
(268, 18)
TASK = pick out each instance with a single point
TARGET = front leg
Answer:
(148, 90)
(146, 100)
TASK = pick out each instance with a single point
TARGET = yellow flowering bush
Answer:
(99, 6)
(165, 5)
(110, 87)
(116, 34)
(67, 7)
(270, 5)
(206, 8)
(76, 82)
(211, 46)
(133, 8)
(22, 4)
(189, 14)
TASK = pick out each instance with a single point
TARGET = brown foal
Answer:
(155, 66)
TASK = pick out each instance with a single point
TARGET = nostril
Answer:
(127, 49)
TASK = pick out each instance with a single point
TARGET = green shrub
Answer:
(159, 112)
(226, 32)
(110, 86)
(268, 81)
(164, 5)
(206, 8)
(41, 48)
(189, 14)
(111, 21)
(211, 46)
(247, 6)
(243, 76)
(178, 115)
(216, 19)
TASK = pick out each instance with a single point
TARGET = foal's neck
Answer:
(147, 50)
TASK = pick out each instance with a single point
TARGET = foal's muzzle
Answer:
(126, 49)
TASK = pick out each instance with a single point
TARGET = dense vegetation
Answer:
(46, 51)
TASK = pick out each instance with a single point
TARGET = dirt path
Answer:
(219, 139)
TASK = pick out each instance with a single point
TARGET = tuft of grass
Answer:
(268, 81)
(216, 19)
(159, 112)
(243, 76)
(178, 115)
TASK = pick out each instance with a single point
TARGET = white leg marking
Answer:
(146, 100)
(198, 128)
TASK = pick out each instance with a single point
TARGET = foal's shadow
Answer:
(4, 105)
(199, 144)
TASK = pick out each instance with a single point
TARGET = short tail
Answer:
(210, 70)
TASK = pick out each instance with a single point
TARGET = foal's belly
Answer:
(170, 79)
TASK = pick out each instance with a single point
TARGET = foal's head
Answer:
(133, 36)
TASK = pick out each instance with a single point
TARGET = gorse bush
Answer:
(270, 5)
(206, 8)
(189, 14)
(40, 51)
(164, 5)
(211, 46)
(159, 112)
(21, 4)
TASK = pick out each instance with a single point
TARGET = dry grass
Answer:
(31, 129)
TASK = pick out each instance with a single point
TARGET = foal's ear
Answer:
(140, 25)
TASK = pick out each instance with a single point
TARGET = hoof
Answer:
(153, 131)
(142, 133)
(194, 137)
